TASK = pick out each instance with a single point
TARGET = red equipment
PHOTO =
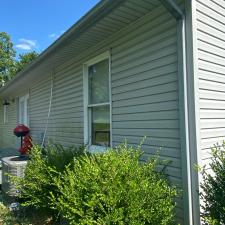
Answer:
(23, 131)
(26, 145)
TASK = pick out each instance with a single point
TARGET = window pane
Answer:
(98, 76)
(101, 125)
(22, 112)
(5, 114)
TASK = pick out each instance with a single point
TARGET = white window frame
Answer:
(24, 98)
(87, 132)
(5, 116)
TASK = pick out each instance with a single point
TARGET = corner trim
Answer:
(189, 115)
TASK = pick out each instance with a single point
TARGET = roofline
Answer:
(99, 10)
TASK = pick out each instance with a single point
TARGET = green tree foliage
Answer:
(7, 57)
(24, 60)
(213, 188)
(9, 65)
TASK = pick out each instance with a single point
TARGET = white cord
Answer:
(49, 111)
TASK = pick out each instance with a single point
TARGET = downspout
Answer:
(190, 214)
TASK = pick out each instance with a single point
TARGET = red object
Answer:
(21, 130)
(26, 145)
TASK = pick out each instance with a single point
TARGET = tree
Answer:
(24, 60)
(7, 57)
(9, 66)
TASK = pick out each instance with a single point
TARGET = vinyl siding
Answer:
(144, 74)
(144, 92)
(38, 107)
(211, 73)
(7, 138)
(65, 124)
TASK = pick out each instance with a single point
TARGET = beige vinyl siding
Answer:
(211, 73)
(8, 139)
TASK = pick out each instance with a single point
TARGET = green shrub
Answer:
(114, 188)
(213, 188)
(42, 167)
(6, 217)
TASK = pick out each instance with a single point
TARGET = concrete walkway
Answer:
(5, 152)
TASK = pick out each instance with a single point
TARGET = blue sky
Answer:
(35, 24)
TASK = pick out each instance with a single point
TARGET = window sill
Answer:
(97, 149)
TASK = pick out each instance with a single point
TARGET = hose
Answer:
(49, 110)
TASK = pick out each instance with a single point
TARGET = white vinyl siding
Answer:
(211, 73)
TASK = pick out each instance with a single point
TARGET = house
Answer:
(130, 69)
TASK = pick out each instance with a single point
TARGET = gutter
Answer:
(191, 216)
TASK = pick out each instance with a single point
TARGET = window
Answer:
(23, 110)
(97, 102)
(5, 114)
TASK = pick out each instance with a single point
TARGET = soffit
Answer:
(107, 18)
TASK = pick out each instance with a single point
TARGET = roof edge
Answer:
(85, 21)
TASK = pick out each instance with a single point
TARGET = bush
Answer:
(5, 216)
(213, 188)
(114, 188)
(42, 167)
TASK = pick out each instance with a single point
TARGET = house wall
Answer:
(210, 32)
(144, 72)
(7, 138)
